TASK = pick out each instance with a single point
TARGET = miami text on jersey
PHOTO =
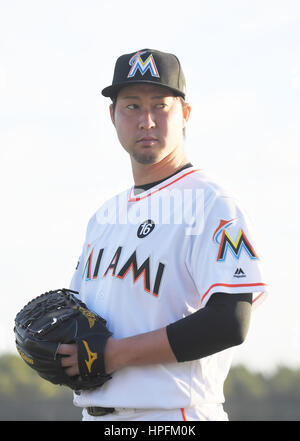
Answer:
(130, 265)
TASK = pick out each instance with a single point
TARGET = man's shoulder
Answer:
(211, 185)
(217, 198)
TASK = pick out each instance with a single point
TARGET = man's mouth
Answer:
(147, 140)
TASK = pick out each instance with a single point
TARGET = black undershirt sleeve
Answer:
(222, 323)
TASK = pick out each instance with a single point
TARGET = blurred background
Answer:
(60, 159)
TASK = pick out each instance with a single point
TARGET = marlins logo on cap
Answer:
(138, 64)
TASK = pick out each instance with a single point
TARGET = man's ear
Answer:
(111, 111)
(186, 113)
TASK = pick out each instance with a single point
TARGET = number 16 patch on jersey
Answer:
(235, 246)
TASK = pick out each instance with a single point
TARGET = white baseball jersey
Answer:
(153, 258)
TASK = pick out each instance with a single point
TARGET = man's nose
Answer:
(147, 120)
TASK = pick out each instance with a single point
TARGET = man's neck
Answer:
(147, 173)
(145, 187)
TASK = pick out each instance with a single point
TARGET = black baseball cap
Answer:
(147, 66)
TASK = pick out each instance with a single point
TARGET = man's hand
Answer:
(139, 350)
(69, 360)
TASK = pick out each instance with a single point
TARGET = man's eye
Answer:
(161, 106)
(132, 106)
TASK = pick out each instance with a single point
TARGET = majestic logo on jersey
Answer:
(130, 266)
(145, 228)
(239, 273)
(227, 243)
(138, 64)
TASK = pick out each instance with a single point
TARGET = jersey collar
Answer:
(161, 186)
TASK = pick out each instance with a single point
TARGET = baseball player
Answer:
(170, 263)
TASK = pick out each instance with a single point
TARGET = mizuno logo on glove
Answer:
(92, 356)
(88, 315)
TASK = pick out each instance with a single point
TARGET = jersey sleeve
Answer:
(224, 257)
(76, 280)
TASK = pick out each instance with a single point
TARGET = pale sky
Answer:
(60, 157)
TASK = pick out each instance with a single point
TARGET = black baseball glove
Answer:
(60, 317)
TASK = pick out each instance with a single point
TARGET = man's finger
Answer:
(67, 349)
(71, 371)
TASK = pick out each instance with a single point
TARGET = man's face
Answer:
(149, 122)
